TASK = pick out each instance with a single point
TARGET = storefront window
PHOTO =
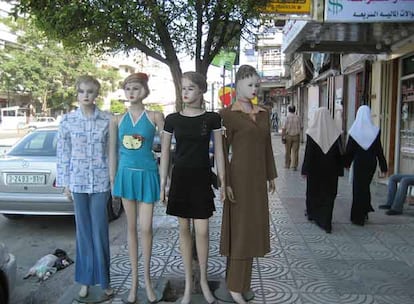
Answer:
(408, 66)
(407, 126)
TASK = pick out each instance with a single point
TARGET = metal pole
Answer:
(224, 76)
(212, 97)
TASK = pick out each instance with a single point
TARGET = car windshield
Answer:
(38, 143)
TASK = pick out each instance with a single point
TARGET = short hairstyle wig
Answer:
(88, 79)
(141, 78)
(245, 71)
(197, 79)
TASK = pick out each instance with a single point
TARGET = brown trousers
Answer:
(239, 274)
(292, 151)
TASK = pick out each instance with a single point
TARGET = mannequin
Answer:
(191, 195)
(133, 133)
(81, 157)
(246, 235)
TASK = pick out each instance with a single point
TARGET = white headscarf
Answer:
(323, 129)
(363, 130)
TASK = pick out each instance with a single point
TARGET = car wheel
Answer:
(114, 208)
(4, 295)
(13, 216)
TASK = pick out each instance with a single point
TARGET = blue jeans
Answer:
(92, 239)
(396, 196)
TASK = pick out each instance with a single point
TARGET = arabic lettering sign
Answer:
(287, 7)
(369, 10)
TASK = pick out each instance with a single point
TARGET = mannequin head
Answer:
(87, 89)
(247, 83)
(193, 86)
(136, 87)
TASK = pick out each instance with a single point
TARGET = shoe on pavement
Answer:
(393, 212)
(384, 206)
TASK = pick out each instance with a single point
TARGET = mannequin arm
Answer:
(113, 149)
(164, 163)
(219, 157)
(159, 122)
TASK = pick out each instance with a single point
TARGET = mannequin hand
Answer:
(382, 174)
(230, 194)
(272, 186)
(222, 193)
(67, 193)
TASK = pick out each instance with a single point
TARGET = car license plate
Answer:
(26, 179)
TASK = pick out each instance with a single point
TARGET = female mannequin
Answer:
(133, 133)
(81, 158)
(191, 195)
(245, 225)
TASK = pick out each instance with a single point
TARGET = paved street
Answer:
(373, 264)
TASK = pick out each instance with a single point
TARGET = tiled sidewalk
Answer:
(373, 264)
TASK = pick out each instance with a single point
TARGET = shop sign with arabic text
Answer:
(287, 7)
(369, 10)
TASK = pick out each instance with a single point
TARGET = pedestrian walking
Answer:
(83, 170)
(322, 164)
(291, 134)
(249, 175)
(134, 174)
(363, 149)
(191, 195)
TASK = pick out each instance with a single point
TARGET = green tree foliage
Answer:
(42, 67)
(155, 107)
(117, 107)
(161, 29)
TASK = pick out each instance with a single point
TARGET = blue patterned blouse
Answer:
(82, 152)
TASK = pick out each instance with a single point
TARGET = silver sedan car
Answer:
(28, 179)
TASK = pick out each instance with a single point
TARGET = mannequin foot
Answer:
(238, 297)
(109, 292)
(132, 297)
(207, 292)
(186, 299)
(83, 291)
(151, 296)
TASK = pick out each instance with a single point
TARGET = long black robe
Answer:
(364, 166)
(322, 171)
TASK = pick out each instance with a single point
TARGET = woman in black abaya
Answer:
(363, 149)
(322, 164)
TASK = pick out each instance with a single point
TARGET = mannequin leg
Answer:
(186, 252)
(238, 277)
(145, 224)
(238, 297)
(130, 208)
(202, 243)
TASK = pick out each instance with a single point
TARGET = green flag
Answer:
(225, 59)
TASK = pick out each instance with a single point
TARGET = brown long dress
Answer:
(245, 223)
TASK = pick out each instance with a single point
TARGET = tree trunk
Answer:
(176, 75)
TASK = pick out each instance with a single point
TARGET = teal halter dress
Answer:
(137, 177)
